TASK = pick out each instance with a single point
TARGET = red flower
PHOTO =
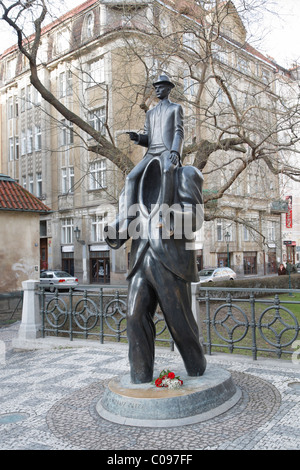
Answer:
(158, 382)
(171, 375)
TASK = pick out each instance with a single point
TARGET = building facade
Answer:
(90, 59)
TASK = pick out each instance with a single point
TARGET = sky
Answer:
(280, 33)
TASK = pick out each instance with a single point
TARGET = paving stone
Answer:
(57, 391)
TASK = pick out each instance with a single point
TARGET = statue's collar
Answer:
(164, 102)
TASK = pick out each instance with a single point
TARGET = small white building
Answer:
(19, 234)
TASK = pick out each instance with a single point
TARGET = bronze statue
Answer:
(163, 131)
(161, 267)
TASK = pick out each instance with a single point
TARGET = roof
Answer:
(13, 197)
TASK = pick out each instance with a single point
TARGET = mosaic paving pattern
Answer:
(76, 420)
(48, 402)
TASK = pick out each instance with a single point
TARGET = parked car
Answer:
(216, 275)
(57, 279)
(298, 267)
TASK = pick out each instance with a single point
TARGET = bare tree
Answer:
(235, 115)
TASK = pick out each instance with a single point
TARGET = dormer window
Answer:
(63, 41)
(90, 25)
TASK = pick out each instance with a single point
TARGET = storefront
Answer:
(99, 264)
(67, 259)
(250, 262)
(223, 260)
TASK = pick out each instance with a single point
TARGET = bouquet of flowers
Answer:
(168, 379)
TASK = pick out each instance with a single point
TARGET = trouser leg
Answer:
(167, 193)
(174, 297)
(142, 303)
(132, 182)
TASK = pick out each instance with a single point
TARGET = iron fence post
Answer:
(253, 327)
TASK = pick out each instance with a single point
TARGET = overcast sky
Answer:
(281, 37)
(282, 40)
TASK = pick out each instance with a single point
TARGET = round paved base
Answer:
(199, 399)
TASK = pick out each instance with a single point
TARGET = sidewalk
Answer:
(49, 396)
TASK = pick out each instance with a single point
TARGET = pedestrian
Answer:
(281, 270)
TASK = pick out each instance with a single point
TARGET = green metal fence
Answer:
(253, 320)
(92, 314)
(259, 322)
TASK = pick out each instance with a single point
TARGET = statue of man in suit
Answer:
(161, 268)
(163, 130)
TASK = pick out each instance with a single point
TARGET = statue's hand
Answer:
(174, 157)
(133, 136)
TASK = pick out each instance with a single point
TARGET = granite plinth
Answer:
(199, 399)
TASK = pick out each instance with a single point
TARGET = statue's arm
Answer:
(177, 144)
(141, 139)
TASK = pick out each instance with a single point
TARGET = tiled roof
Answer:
(15, 198)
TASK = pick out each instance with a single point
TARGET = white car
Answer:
(216, 275)
(57, 280)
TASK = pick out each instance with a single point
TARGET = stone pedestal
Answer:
(198, 399)
(30, 327)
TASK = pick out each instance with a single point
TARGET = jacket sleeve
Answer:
(177, 144)
(143, 138)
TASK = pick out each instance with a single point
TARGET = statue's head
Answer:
(163, 86)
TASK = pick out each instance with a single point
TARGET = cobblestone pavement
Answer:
(49, 396)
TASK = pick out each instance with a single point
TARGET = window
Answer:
(246, 234)
(219, 230)
(62, 85)
(271, 230)
(10, 69)
(98, 224)
(23, 143)
(97, 118)
(38, 138)
(98, 175)
(16, 107)
(36, 97)
(29, 140)
(10, 107)
(266, 76)
(17, 148)
(39, 185)
(242, 65)
(90, 25)
(24, 182)
(67, 179)
(69, 83)
(30, 183)
(64, 184)
(67, 230)
(95, 72)
(188, 84)
(29, 96)
(63, 41)
(23, 100)
(219, 53)
(11, 148)
(65, 84)
(67, 135)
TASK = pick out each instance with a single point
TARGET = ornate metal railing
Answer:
(92, 314)
(256, 320)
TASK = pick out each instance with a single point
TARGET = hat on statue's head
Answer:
(164, 80)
